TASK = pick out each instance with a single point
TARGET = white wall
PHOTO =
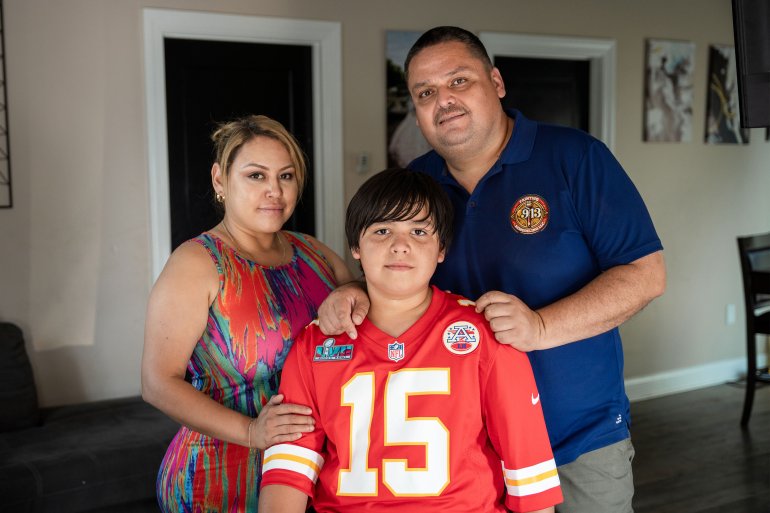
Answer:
(75, 262)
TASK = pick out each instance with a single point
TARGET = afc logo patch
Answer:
(529, 214)
(461, 337)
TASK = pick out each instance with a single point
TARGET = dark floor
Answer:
(692, 455)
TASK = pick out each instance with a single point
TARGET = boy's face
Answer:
(399, 257)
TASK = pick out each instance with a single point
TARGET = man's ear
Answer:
(497, 79)
(355, 253)
(441, 255)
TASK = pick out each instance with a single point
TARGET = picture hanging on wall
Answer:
(723, 117)
(668, 91)
(6, 195)
(404, 139)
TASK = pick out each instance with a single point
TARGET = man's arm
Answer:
(344, 309)
(281, 499)
(604, 303)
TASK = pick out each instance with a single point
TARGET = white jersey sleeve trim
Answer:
(294, 458)
(531, 480)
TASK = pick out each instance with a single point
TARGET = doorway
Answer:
(209, 82)
(547, 90)
(324, 143)
(598, 55)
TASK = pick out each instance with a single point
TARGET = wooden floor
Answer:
(692, 455)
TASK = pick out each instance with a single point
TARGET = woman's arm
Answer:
(177, 314)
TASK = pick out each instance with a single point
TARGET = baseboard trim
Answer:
(690, 378)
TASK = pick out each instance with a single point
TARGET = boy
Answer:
(424, 410)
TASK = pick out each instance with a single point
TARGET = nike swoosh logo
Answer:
(535, 399)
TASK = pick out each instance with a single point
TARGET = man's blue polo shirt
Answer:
(554, 211)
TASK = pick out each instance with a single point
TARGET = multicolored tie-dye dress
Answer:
(251, 326)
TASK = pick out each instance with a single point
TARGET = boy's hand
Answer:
(344, 309)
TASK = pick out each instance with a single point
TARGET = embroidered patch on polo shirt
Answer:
(529, 214)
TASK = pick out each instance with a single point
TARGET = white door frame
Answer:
(323, 37)
(600, 53)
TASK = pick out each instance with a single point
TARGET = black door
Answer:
(548, 90)
(208, 82)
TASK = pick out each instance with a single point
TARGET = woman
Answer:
(226, 309)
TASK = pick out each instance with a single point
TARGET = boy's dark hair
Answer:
(398, 194)
(448, 34)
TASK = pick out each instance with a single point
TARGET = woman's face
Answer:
(261, 189)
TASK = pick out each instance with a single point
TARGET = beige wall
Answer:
(75, 262)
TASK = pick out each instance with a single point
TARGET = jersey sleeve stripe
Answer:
(294, 458)
(533, 488)
(525, 472)
(531, 480)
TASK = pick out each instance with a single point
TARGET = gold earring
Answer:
(220, 198)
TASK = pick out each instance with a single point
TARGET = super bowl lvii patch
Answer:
(329, 351)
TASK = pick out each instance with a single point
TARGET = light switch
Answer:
(362, 162)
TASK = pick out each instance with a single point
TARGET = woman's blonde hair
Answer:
(230, 136)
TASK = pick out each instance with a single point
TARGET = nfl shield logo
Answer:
(396, 351)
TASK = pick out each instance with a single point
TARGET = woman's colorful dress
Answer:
(251, 326)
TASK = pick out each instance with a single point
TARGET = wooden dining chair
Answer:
(754, 251)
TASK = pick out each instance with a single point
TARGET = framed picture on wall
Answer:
(723, 117)
(6, 198)
(668, 90)
(404, 139)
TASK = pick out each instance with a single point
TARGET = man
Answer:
(556, 243)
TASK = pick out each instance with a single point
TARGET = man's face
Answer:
(456, 99)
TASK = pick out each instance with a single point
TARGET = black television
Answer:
(751, 26)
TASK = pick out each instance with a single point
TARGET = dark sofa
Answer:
(98, 456)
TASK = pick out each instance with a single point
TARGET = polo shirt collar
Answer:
(518, 149)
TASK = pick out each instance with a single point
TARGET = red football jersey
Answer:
(442, 418)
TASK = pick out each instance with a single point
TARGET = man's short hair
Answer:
(398, 194)
(448, 34)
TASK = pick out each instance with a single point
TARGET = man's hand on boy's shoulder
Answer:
(512, 321)
(344, 309)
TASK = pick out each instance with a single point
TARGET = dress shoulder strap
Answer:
(215, 248)
(308, 252)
